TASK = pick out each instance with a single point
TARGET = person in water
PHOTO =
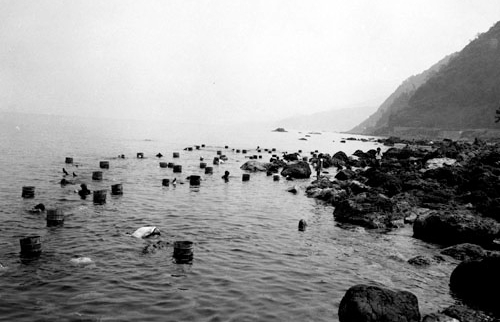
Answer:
(84, 191)
(38, 208)
(226, 176)
(378, 157)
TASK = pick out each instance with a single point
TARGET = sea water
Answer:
(250, 261)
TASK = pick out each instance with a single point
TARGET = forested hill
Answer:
(462, 94)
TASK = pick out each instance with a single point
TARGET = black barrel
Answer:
(276, 177)
(140, 155)
(209, 170)
(177, 168)
(165, 182)
(197, 147)
(170, 165)
(203, 165)
(176, 154)
(97, 175)
(219, 152)
(243, 151)
(190, 149)
(183, 251)
(104, 164)
(68, 160)
(245, 177)
(194, 180)
(237, 150)
(99, 197)
(216, 161)
(117, 189)
(302, 225)
(203, 145)
(28, 192)
(55, 217)
(31, 246)
(163, 164)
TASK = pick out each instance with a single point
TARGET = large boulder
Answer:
(364, 303)
(461, 226)
(254, 166)
(477, 283)
(367, 210)
(388, 182)
(464, 251)
(297, 170)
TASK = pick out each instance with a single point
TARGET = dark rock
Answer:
(253, 166)
(297, 170)
(464, 251)
(345, 174)
(420, 260)
(291, 157)
(154, 247)
(477, 283)
(363, 303)
(388, 182)
(438, 317)
(462, 226)
(341, 156)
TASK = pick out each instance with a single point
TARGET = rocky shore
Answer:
(450, 193)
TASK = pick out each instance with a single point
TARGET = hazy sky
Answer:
(206, 61)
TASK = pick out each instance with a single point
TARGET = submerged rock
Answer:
(254, 166)
(364, 303)
(464, 251)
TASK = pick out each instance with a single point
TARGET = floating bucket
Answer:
(97, 175)
(245, 177)
(117, 189)
(55, 217)
(68, 160)
(243, 151)
(197, 147)
(216, 161)
(302, 225)
(175, 154)
(259, 150)
(170, 165)
(163, 164)
(104, 164)
(100, 197)
(183, 251)
(316, 151)
(273, 149)
(165, 182)
(300, 151)
(219, 152)
(203, 165)
(194, 180)
(140, 155)
(203, 145)
(28, 192)
(31, 246)
(177, 168)
(190, 149)
(260, 156)
(237, 151)
(276, 177)
(209, 170)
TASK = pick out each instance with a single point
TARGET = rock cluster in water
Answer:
(450, 193)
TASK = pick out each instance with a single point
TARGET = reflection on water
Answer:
(250, 261)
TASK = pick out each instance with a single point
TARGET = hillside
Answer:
(462, 93)
(331, 120)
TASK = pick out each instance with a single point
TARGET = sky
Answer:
(222, 61)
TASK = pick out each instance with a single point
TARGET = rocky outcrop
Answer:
(464, 251)
(477, 283)
(254, 166)
(448, 228)
(297, 170)
(363, 303)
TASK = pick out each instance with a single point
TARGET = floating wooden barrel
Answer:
(190, 149)
(31, 246)
(97, 175)
(260, 156)
(140, 155)
(237, 150)
(273, 149)
(216, 160)
(203, 145)
(104, 164)
(175, 154)
(183, 251)
(117, 189)
(316, 151)
(203, 165)
(170, 165)
(300, 151)
(194, 180)
(28, 192)
(55, 217)
(68, 160)
(243, 151)
(276, 177)
(259, 150)
(163, 164)
(165, 182)
(177, 168)
(219, 152)
(209, 170)
(245, 177)
(197, 147)
(100, 197)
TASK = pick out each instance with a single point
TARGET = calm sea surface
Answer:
(250, 261)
